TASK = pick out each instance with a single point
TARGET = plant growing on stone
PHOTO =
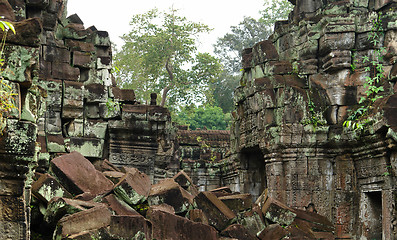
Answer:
(6, 94)
(358, 119)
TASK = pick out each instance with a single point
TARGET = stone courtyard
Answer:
(81, 158)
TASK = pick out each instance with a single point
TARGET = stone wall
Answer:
(300, 151)
(200, 153)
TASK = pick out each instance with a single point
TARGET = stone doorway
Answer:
(371, 215)
(253, 166)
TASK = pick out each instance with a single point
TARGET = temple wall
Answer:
(296, 92)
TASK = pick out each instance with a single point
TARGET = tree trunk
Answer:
(168, 67)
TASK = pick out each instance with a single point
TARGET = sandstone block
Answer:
(96, 92)
(278, 212)
(197, 215)
(19, 138)
(73, 96)
(80, 45)
(114, 176)
(56, 54)
(64, 71)
(247, 58)
(27, 33)
(91, 219)
(264, 51)
(58, 207)
(169, 192)
(218, 214)
(82, 59)
(88, 147)
(273, 231)
(238, 231)
(128, 226)
(55, 143)
(336, 41)
(168, 226)
(78, 175)
(134, 187)
(119, 207)
(237, 202)
(47, 187)
(186, 183)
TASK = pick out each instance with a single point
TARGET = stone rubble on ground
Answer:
(81, 202)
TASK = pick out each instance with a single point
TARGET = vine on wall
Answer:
(6, 93)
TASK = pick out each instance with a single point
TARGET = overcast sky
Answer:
(114, 16)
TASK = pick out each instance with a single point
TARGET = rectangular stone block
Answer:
(128, 226)
(278, 212)
(94, 218)
(95, 128)
(78, 175)
(134, 187)
(167, 226)
(82, 59)
(96, 93)
(76, 45)
(47, 187)
(64, 71)
(56, 54)
(73, 97)
(336, 60)
(119, 206)
(55, 143)
(21, 60)
(218, 214)
(169, 192)
(89, 147)
(12, 209)
(237, 202)
(336, 41)
(19, 138)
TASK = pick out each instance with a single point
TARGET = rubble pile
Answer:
(80, 200)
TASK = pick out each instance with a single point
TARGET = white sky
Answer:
(114, 16)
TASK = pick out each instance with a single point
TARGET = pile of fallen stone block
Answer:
(81, 200)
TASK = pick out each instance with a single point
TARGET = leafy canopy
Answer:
(204, 116)
(160, 55)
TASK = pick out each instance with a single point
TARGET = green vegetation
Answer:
(160, 55)
(359, 119)
(6, 93)
(209, 116)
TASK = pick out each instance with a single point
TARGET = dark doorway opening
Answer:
(371, 209)
(253, 165)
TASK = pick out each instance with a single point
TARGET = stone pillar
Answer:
(17, 160)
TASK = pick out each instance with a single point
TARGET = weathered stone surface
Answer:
(169, 192)
(273, 231)
(47, 187)
(218, 214)
(94, 218)
(88, 147)
(27, 33)
(134, 187)
(237, 231)
(237, 202)
(128, 226)
(78, 175)
(169, 226)
(278, 212)
(186, 183)
(197, 215)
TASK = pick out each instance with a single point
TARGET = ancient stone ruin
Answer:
(82, 159)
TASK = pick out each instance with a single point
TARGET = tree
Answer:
(229, 47)
(160, 55)
(204, 116)
(248, 32)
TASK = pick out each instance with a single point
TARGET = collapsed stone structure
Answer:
(297, 89)
(67, 101)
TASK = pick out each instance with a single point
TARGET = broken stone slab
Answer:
(76, 45)
(105, 165)
(82, 59)
(47, 187)
(273, 231)
(163, 207)
(252, 222)
(186, 183)
(278, 212)
(58, 207)
(73, 97)
(238, 231)
(95, 92)
(91, 219)
(197, 215)
(169, 192)
(88, 147)
(222, 191)
(55, 143)
(101, 233)
(27, 32)
(218, 214)
(316, 221)
(169, 226)
(134, 187)
(237, 202)
(78, 175)
(114, 176)
(127, 226)
(118, 206)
